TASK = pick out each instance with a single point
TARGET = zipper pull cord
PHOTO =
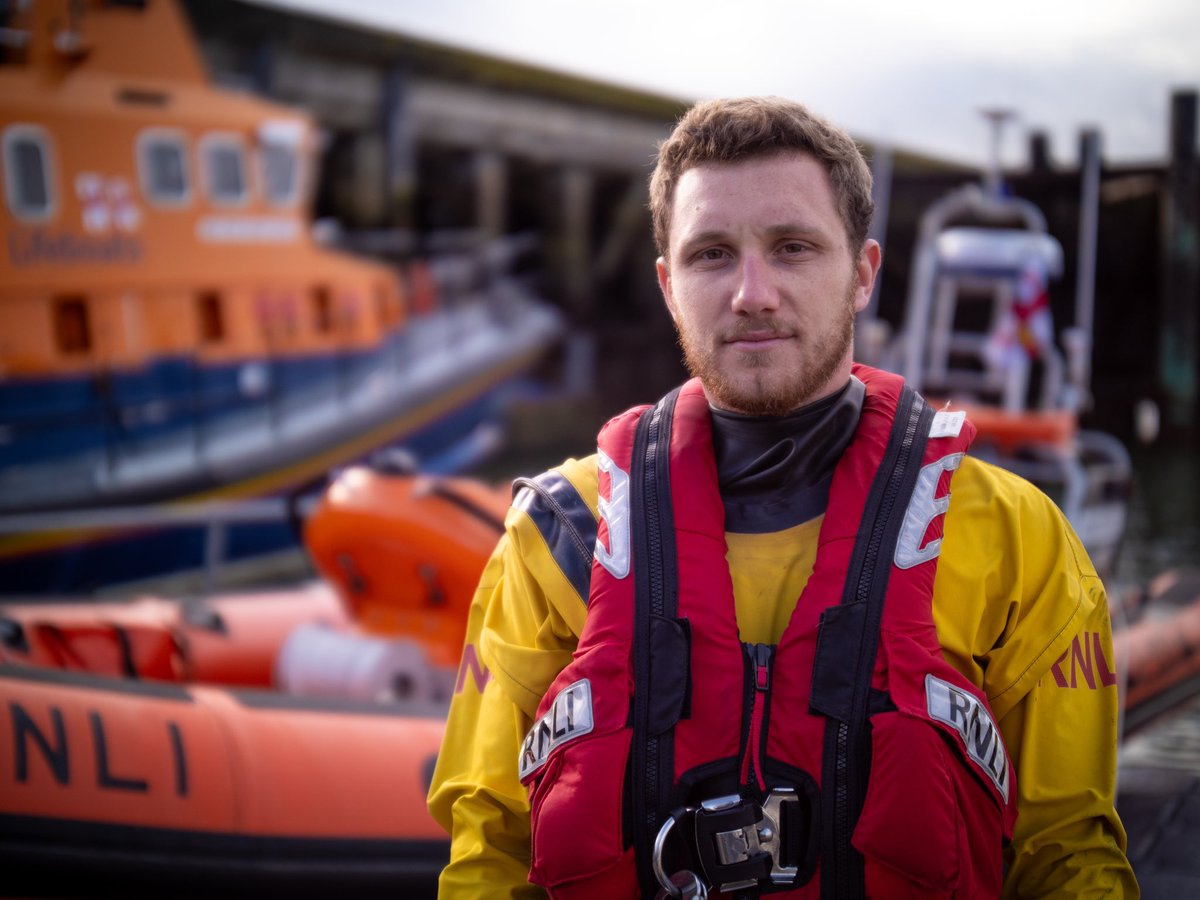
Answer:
(760, 661)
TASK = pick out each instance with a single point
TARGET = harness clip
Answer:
(737, 843)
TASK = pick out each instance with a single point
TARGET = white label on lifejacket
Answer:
(963, 712)
(614, 510)
(947, 424)
(923, 508)
(569, 717)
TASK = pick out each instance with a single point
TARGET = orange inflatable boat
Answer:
(253, 743)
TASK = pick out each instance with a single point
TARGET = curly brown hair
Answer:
(732, 130)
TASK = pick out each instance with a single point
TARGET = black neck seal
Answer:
(775, 471)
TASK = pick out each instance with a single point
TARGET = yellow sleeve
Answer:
(522, 628)
(472, 794)
(1017, 603)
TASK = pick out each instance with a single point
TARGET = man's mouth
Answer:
(757, 339)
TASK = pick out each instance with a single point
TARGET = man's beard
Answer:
(771, 391)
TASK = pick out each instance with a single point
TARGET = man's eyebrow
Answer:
(796, 228)
(703, 237)
(784, 229)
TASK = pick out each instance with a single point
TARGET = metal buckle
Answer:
(734, 847)
(743, 850)
(770, 835)
(745, 845)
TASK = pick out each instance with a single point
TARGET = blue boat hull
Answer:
(121, 555)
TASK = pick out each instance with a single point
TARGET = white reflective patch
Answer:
(963, 712)
(947, 424)
(923, 508)
(614, 510)
(569, 717)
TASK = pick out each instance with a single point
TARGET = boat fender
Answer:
(319, 661)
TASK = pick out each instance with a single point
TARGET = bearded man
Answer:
(781, 633)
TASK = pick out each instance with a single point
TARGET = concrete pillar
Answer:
(870, 331)
(491, 194)
(370, 166)
(261, 67)
(576, 279)
(1181, 269)
(400, 149)
(575, 255)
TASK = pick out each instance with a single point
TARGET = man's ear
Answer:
(664, 285)
(867, 269)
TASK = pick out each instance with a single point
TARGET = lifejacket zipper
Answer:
(654, 546)
(759, 696)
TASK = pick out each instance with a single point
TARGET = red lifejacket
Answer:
(881, 765)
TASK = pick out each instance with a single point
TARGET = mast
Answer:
(993, 178)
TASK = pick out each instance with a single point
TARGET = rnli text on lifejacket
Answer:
(569, 717)
(964, 713)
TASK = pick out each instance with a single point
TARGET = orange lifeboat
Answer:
(1010, 432)
(285, 737)
(1160, 651)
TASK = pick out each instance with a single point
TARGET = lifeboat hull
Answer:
(145, 781)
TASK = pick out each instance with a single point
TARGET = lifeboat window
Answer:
(211, 315)
(72, 329)
(162, 167)
(323, 309)
(225, 169)
(280, 170)
(28, 172)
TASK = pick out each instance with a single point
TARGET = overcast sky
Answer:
(911, 73)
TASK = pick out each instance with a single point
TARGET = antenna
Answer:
(997, 117)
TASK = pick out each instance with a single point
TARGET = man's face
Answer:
(761, 282)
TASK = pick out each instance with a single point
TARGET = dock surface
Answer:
(1158, 798)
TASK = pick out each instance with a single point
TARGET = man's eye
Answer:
(712, 253)
(794, 247)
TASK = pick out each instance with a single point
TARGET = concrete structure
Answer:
(433, 148)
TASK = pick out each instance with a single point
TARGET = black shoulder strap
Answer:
(565, 523)
(846, 646)
(659, 689)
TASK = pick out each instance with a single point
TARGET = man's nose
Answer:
(756, 292)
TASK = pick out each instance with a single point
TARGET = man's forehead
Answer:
(774, 159)
(778, 192)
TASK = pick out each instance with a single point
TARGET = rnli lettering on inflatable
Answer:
(52, 743)
(43, 745)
